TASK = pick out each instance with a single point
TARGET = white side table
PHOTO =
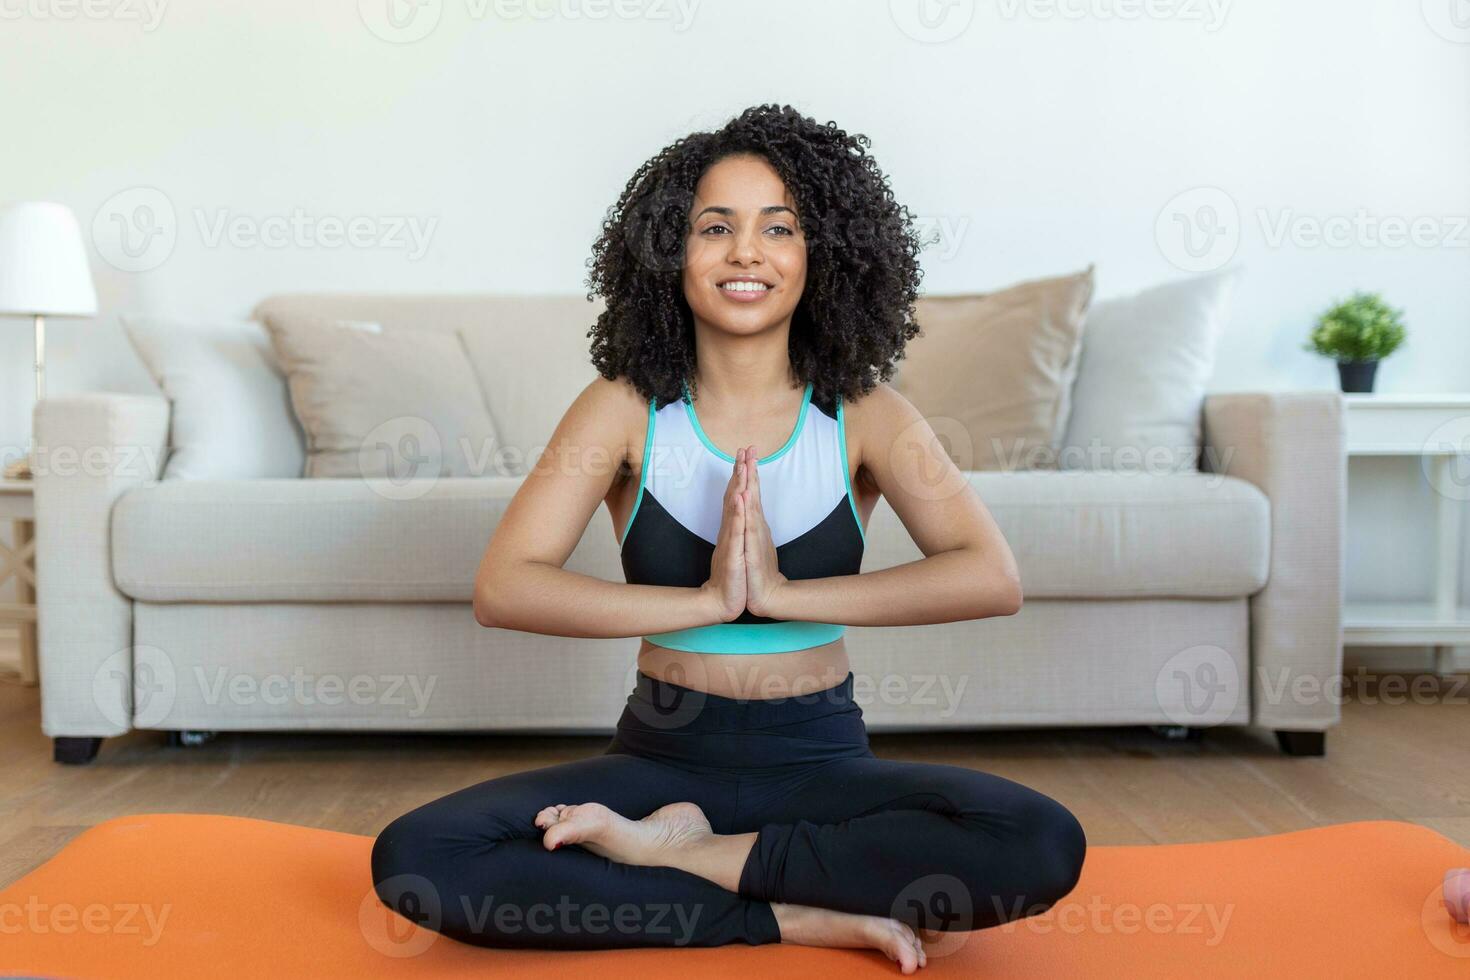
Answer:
(18, 562)
(1436, 430)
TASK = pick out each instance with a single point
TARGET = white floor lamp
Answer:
(43, 272)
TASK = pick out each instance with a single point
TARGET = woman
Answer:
(759, 284)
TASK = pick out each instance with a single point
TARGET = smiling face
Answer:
(745, 260)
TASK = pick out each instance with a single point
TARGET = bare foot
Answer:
(807, 926)
(651, 842)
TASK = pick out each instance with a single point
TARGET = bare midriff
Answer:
(748, 676)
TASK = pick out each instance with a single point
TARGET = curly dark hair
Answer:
(856, 311)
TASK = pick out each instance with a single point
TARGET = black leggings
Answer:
(937, 846)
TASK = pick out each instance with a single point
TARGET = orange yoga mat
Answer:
(199, 896)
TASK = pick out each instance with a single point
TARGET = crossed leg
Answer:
(937, 847)
(476, 866)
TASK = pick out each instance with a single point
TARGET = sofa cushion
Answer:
(230, 414)
(1145, 361)
(531, 353)
(383, 403)
(993, 372)
(1075, 534)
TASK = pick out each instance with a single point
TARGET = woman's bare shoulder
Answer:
(882, 410)
(613, 412)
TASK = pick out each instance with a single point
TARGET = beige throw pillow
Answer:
(993, 372)
(383, 403)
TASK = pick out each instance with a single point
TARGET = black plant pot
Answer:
(1356, 376)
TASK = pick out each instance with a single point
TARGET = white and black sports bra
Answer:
(807, 499)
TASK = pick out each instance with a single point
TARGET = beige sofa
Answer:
(1185, 600)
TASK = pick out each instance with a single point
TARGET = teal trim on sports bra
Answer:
(846, 473)
(806, 400)
(742, 638)
(642, 474)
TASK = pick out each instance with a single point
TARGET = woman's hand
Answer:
(763, 578)
(726, 583)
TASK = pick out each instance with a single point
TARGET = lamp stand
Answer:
(20, 469)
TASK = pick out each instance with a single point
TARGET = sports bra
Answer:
(807, 499)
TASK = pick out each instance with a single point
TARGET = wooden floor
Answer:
(1390, 759)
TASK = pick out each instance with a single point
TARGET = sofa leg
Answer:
(75, 751)
(1178, 733)
(1301, 743)
(189, 738)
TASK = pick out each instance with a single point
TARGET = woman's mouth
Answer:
(744, 290)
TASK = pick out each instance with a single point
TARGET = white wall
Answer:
(1044, 135)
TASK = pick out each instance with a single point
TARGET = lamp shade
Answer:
(43, 262)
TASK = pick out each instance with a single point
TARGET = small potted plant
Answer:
(1358, 333)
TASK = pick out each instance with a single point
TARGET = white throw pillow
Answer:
(1140, 387)
(231, 414)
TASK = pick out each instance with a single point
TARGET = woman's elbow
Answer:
(486, 613)
(1004, 597)
(1013, 596)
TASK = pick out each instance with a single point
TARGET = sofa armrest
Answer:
(89, 449)
(1291, 445)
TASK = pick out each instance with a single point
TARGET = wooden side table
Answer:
(18, 562)
(1435, 429)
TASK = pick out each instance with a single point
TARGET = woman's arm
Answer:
(967, 572)
(521, 583)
